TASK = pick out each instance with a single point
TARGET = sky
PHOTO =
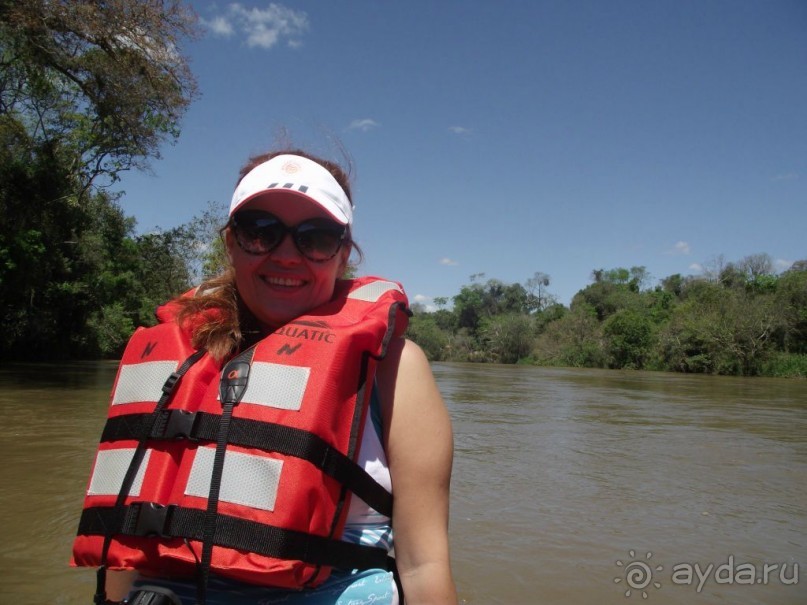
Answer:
(497, 139)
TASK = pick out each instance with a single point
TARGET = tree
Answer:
(639, 278)
(635, 277)
(573, 340)
(629, 336)
(536, 286)
(674, 284)
(799, 265)
(605, 297)
(791, 304)
(508, 337)
(87, 89)
(756, 265)
(102, 80)
(714, 267)
(720, 330)
(468, 306)
(425, 331)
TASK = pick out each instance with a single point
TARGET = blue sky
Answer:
(505, 138)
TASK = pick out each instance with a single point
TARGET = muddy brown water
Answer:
(569, 486)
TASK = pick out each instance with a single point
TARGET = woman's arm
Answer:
(119, 583)
(419, 447)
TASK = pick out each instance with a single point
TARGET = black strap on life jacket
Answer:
(266, 436)
(144, 519)
(168, 389)
(233, 385)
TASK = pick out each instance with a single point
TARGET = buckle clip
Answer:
(171, 383)
(180, 425)
(152, 519)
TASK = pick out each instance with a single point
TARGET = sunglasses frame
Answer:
(313, 224)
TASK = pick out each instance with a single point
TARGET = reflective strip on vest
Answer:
(373, 291)
(110, 469)
(247, 480)
(142, 381)
(276, 385)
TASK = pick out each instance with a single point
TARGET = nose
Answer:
(286, 253)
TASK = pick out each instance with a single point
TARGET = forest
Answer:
(740, 318)
(89, 90)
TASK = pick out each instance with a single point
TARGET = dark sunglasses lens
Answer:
(257, 233)
(319, 240)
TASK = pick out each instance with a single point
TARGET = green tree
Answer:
(611, 291)
(791, 305)
(425, 332)
(87, 90)
(720, 330)
(573, 340)
(628, 339)
(508, 337)
(469, 306)
(674, 284)
(103, 79)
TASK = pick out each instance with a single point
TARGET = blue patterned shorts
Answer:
(369, 587)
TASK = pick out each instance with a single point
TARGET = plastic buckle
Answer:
(152, 519)
(153, 595)
(180, 425)
(171, 383)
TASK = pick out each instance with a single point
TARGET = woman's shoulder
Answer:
(404, 376)
(404, 355)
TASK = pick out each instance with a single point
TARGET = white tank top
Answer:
(364, 524)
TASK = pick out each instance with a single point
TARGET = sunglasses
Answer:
(258, 232)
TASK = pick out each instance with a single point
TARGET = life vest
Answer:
(247, 469)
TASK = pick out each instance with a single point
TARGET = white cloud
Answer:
(449, 262)
(782, 264)
(786, 176)
(425, 302)
(460, 130)
(696, 267)
(220, 27)
(263, 28)
(363, 124)
(681, 248)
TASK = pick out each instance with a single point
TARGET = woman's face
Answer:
(283, 284)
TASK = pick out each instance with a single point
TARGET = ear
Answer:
(344, 257)
(229, 244)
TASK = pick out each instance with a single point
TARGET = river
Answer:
(569, 486)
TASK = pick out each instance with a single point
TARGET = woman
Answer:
(288, 240)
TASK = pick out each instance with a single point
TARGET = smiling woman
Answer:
(255, 434)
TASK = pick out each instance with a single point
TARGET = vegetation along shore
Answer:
(737, 319)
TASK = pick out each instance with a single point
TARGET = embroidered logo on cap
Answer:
(290, 167)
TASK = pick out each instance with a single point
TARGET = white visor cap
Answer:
(296, 175)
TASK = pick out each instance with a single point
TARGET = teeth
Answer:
(283, 281)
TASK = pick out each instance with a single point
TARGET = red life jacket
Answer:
(248, 468)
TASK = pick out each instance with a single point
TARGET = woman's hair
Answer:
(215, 316)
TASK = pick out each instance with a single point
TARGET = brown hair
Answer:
(215, 316)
